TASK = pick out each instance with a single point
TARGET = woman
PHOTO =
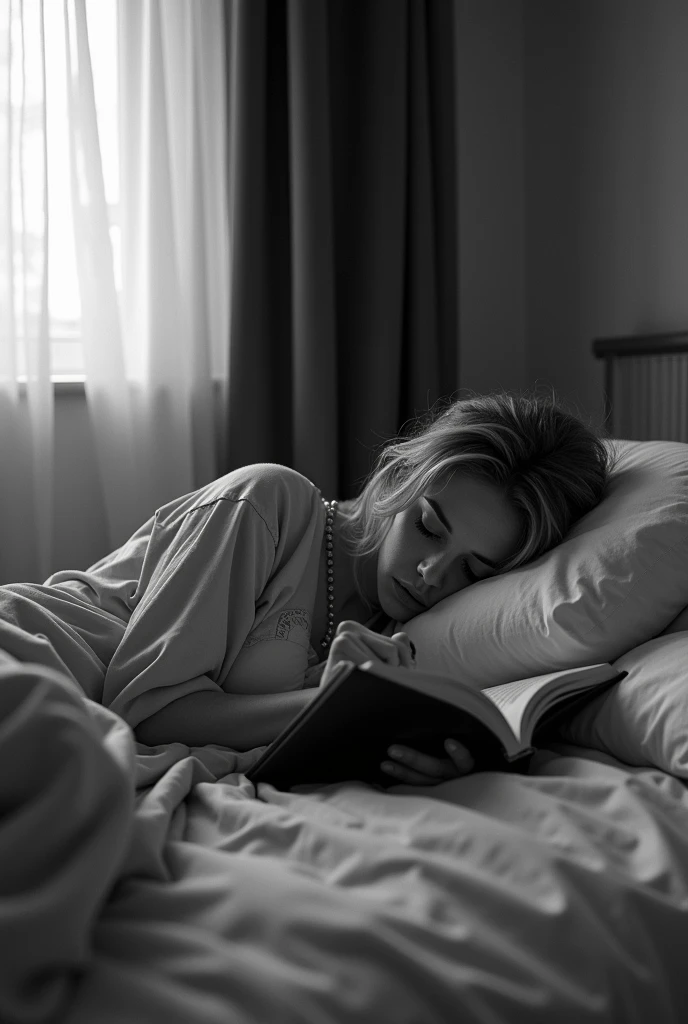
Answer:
(237, 601)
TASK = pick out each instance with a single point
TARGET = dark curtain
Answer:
(343, 221)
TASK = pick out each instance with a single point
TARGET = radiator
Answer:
(646, 386)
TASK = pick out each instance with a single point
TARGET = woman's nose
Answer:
(432, 572)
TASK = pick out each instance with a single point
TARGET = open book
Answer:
(345, 732)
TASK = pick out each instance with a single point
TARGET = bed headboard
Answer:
(646, 386)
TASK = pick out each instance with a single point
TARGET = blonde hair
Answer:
(551, 467)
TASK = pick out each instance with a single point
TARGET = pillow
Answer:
(616, 580)
(643, 720)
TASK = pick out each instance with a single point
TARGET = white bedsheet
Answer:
(558, 897)
(561, 896)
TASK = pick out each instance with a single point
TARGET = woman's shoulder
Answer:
(267, 486)
(279, 494)
(275, 471)
(268, 478)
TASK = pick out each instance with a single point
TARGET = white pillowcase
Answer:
(643, 720)
(617, 579)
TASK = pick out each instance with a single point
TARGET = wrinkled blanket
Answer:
(151, 885)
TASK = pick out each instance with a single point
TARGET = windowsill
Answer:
(63, 384)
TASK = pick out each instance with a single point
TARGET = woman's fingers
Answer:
(407, 656)
(433, 767)
(394, 650)
(418, 769)
(409, 775)
(345, 647)
(356, 643)
(460, 755)
(405, 773)
(353, 647)
(374, 644)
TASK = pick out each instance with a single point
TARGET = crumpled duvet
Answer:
(154, 884)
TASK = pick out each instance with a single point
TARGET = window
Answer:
(21, 68)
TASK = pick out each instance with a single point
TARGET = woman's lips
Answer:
(407, 597)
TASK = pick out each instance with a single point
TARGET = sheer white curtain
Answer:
(154, 342)
(26, 415)
(153, 352)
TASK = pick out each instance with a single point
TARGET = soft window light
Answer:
(23, 116)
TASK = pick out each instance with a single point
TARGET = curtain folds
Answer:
(317, 140)
(26, 417)
(343, 214)
(155, 343)
(152, 352)
(107, 392)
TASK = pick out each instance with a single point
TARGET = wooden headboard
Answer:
(646, 385)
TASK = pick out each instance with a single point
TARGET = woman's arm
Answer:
(245, 720)
(210, 559)
(237, 720)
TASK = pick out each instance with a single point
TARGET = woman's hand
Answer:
(356, 643)
(416, 769)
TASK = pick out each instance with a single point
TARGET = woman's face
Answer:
(452, 536)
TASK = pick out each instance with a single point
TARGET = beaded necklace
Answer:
(331, 508)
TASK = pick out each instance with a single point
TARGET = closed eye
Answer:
(468, 572)
(465, 567)
(420, 525)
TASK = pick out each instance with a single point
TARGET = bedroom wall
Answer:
(492, 334)
(606, 168)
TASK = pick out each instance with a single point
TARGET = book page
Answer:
(513, 698)
(524, 701)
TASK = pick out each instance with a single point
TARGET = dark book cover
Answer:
(345, 737)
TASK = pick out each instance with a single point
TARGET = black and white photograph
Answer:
(344, 511)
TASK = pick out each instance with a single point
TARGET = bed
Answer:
(166, 889)
(143, 884)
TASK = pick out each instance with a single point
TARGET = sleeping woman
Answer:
(236, 602)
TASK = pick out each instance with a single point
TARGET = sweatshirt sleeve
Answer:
(222, 568)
